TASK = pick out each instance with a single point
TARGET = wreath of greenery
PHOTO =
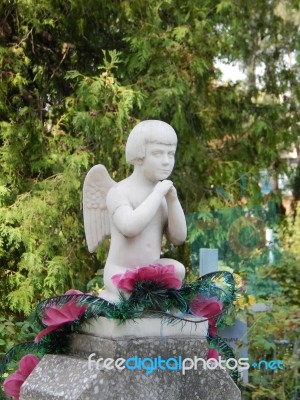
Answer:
(147, 299)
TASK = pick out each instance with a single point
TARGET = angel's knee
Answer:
(179, 268)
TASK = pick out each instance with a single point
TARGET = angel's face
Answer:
(159, 161)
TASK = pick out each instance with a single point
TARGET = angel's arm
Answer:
(131, 222)
(176, 229)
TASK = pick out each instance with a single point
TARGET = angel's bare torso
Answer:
(140, 209)
(145, 247)
(129, 251)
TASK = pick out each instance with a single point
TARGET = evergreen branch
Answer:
(225, 350)
(15, 353)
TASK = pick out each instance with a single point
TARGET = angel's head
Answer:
(150, 131)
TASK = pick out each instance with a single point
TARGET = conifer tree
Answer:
(75, 78)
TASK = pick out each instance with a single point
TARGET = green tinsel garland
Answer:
(148, 298)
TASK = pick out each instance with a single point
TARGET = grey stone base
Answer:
(69, 377)
(84, 345)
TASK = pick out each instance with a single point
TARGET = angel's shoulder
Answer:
(118, 195)
(120, 188)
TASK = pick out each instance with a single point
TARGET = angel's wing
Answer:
(96, 221)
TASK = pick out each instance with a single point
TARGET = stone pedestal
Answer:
(150, 327)
(72, 377)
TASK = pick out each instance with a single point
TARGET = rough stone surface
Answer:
(69, 377)
(84, 345)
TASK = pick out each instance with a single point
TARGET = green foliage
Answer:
(287, 273)
(274, 335)
(10, 329)
(77, 75)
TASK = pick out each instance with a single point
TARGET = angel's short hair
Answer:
(150, 131)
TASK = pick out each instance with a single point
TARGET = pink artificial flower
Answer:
(55, 317)
(163, 275)
(212, 353)
(208, 308)
(12, 384)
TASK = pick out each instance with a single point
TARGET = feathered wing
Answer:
(96, 220)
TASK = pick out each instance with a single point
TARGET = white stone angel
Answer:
(139, 209)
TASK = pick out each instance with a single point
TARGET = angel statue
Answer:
(138, 210)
